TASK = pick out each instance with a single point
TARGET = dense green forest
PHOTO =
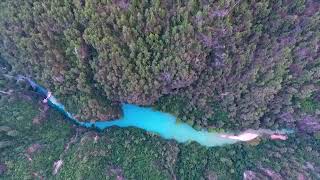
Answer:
(30, 143)
(214, 64)
(222, 64)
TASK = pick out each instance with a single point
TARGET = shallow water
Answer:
(156, 122)
(163, 124)
(146, 118)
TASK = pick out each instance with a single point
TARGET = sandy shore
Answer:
(242, 137)
(252, 134)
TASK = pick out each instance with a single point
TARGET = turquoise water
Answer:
(145, 118)
(156, 122)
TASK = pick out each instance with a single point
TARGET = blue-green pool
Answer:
(146, 118)
(157, 122)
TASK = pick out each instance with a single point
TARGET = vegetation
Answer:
(215, 64)
(134, 154)
(251, 59)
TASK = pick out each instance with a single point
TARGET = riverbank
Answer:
(150, 120)
(118, 148)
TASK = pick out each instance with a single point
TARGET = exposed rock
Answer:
(96, 138)
(272, 174)
(246, 136)
(56, 166)
(37, 176)
(249, 175)
(278, 137)
(72, 141)
(33, 148)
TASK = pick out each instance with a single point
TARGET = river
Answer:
(153, 121)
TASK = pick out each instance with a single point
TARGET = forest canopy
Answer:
(213, 64)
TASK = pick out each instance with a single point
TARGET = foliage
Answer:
(310, 105)
(134, 154)
(250, 58)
